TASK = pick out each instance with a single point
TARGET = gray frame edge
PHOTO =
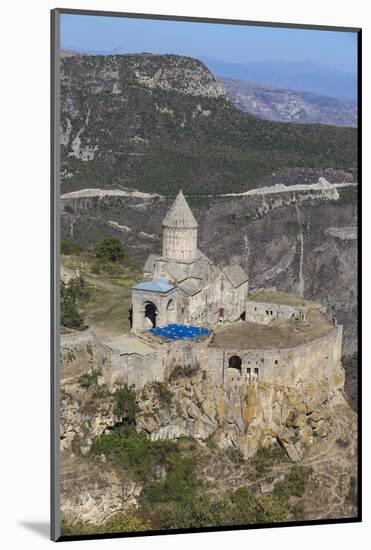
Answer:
(55, 516)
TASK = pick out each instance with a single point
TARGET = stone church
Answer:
(182, 285)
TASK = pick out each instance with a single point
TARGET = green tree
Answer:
(70, 315)
(110, 249)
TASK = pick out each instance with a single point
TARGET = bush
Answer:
(179, 485)
(136, 452)
(164, 394)
(110, 249)
(235, 455)
(129, 449)
(294, 483)
(126, 405)
(88, 379)
(267, 457)
(69, 248)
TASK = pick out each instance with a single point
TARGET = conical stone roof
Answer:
(180, 215)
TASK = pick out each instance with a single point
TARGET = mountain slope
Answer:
(158, 123)
(289, 106)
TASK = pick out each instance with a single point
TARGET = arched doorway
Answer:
(150, 312)
(170, 312)
(235, 362)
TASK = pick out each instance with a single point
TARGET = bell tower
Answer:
(179, 239)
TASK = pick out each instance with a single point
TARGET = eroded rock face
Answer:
(91, 490)
(244, 416)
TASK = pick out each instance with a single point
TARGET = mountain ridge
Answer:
(158, 123)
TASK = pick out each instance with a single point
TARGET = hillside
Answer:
(286, 105)
(158, 123)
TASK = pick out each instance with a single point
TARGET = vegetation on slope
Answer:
(159, 140)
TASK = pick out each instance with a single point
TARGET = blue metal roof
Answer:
(155, 285)
(179, 332)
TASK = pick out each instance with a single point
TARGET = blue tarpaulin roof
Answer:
(179, 332)
(155, 285)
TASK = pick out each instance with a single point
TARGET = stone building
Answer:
(182, 285)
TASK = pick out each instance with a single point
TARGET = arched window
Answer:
(150, 312)
(170, 312)
(235, 362)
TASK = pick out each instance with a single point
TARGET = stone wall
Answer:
(81, 352)
(303, 364)
(263, 312)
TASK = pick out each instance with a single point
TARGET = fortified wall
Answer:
(306, 363)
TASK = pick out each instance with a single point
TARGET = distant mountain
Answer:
(288, 105)
(289, 75)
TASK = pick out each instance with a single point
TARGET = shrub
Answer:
(183, 372)
(88, 379)
(126, 405)
(70, 248)
(294, 483)
(135, 451)
(164, 394)
(235, 455)
(267, 457)
(130, 449)
(179, 485)
(110, 249)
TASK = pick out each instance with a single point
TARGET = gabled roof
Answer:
(180, 215)
(235, 274)
(200, 268)
(175, 271)
(155, 285)
(190, 287)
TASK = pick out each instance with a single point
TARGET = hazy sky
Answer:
(233, 43)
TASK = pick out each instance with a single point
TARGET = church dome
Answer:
(180, 215)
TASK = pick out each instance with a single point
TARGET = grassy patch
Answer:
(121, 522)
